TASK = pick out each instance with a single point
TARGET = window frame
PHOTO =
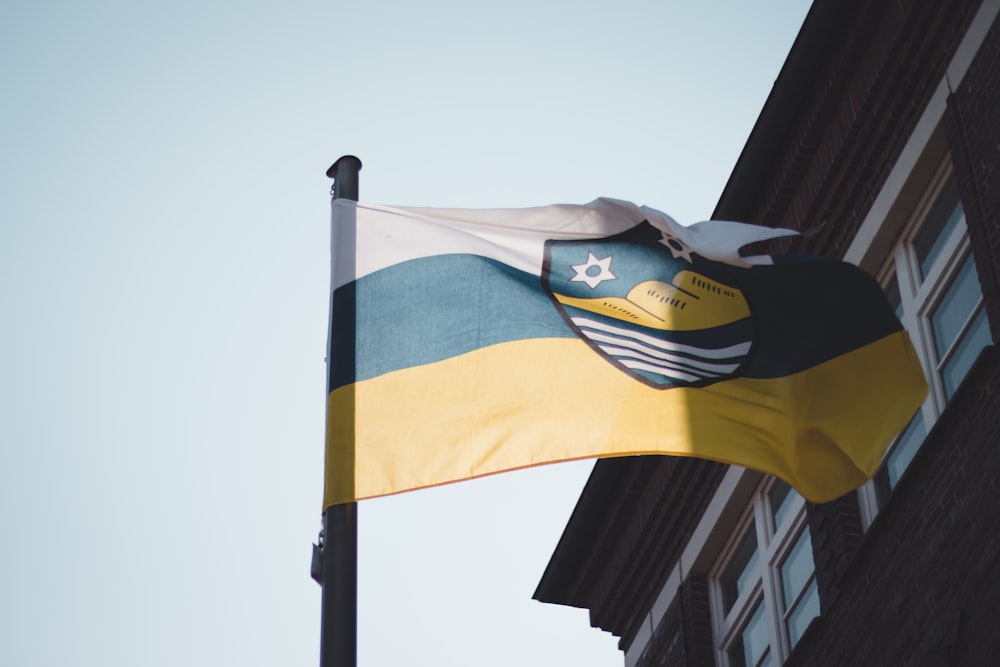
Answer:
(920, 296)
(774, 545)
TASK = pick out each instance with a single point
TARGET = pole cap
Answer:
(348, 161)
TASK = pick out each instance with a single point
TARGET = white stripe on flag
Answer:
(727, 352)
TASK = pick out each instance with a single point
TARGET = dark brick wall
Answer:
(836, 534)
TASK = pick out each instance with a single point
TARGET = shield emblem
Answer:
(651, 306)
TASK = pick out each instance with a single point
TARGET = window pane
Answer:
(965, 353)
(781, 498)
(806, 610)
(752, 647)
(740, 569)
(797, 568)
(957, 304)
(895, 300)
(906, 447)
(941, 222)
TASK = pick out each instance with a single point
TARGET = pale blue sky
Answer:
(163, 282)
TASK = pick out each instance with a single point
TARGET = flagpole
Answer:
(338, 554)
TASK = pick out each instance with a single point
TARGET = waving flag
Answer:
(470, 342)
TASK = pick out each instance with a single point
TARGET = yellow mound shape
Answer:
(691, 302)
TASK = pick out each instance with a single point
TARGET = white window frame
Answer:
(773, 546)
(919, 297)
(919, 301)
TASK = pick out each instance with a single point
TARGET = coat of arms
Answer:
(651, 306)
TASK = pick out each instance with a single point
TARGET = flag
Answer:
(469, 342)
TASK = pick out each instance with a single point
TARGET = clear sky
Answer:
(164, 272)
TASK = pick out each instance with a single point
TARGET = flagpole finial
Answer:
(344, 173)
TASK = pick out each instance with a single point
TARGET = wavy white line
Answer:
(728, 352)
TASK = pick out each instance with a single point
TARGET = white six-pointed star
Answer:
(594, 271)
(676, 247)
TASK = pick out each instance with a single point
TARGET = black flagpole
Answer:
(337, 552)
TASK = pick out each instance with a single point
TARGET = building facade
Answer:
(881, 143)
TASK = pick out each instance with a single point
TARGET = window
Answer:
(764, 592)
(798, 584)
(931, 280)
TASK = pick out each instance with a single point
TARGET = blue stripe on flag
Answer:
(425, 310)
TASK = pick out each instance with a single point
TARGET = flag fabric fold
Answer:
(469, 342)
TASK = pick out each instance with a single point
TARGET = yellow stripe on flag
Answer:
(532, 402)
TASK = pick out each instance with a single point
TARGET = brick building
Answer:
(880, 141)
